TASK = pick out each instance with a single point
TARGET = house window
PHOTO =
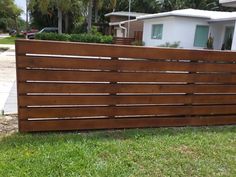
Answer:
(201, 36)
(157, 31)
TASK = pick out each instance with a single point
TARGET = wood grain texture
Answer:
(123, 65)
(83, 49)
(113, 86)
(94, 124)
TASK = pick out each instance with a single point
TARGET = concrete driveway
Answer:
(8, 98)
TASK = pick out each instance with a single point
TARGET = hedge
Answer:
(90, 38)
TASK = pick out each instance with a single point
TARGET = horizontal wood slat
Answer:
(45, 75)
(127, 111)
(71, 86)
(122, 65)
(113, 100)
(91, 124)
(122, 88)
(82, 49)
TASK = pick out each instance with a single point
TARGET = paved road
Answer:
(7, 81)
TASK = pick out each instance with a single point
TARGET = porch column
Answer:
(234, 38)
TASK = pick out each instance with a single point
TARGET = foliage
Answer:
(77, 14)
(171, 45)
(9, 15)
(45, 13)
(94, 31)
(144, 6)
(91, 38)
(206, 151)
(210, 42)
(52, 36)
(85, 37)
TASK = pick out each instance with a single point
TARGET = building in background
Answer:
(119, 21)
(190, 28)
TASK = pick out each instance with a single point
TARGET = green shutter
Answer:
(201, 36)
(157, 31)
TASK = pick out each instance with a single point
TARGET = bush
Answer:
(52, 36)
(20, 36)
(85, 37)
(173, 45)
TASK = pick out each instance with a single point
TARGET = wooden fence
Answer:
(123, 40)
(76, 86)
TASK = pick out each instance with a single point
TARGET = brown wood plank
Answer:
(103, 100)
(190, 104)
(83, 49)
(122, 88)
(103, 111)
(122, 65)
(45, 75)
(60, 125)
(126, 111)
(134, 99)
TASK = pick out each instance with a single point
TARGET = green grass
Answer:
(151, 152)
(8, 40)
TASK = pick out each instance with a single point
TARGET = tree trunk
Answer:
(66, 23)
(89, 18)
(59, 21)
(96, 10)
(16, 25)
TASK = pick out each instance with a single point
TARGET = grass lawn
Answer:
(151, 152)
(8, 40)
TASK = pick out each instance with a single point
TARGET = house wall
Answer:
(217, 31)
(175, 29)
(134, 26)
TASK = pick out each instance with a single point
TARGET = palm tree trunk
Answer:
(95, 3)
(89, 18)
(16, 25)
(66, 23)
(59, 21)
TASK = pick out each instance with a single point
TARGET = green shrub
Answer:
(91, 38)
(20, 36)
(85, 37)
(171, 45)
(107, 39)
(52, 36)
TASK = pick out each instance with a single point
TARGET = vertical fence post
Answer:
(113, 84)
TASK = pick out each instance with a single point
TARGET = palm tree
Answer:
(97, 5)
(61, 5)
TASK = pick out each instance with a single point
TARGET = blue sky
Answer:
(22, 5)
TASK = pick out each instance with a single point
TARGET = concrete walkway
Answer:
(4, 35)
(7, 79)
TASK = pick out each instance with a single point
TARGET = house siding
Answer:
(175, 29)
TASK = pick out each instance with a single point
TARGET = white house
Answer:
(191, 28)
(228, 3)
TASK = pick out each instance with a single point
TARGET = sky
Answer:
(22, 5)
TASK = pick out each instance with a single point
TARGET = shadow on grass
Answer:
(20, 139)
